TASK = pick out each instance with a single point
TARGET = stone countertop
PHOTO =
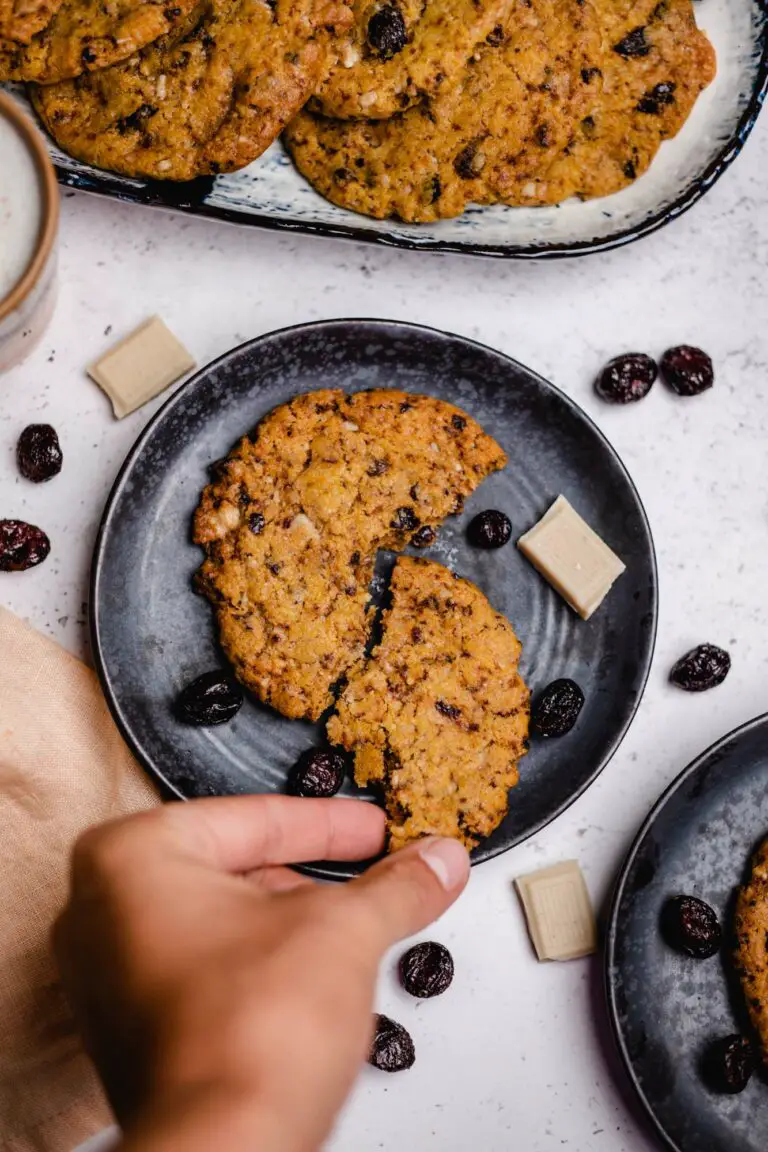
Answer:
(517, 1054)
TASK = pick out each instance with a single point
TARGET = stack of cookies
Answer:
(169, 89)
(404, 108)
(559, 98)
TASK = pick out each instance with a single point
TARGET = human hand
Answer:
(226, 999)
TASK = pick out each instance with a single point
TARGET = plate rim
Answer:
(611, 938)
(148, 194)
(384, 325)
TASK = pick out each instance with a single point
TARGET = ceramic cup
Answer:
(29, 221)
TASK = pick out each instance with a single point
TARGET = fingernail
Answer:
(449, 861)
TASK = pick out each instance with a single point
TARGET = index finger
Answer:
(240, 833)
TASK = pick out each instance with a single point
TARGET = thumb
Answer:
(409, 889)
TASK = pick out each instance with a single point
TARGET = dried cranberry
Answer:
(658, 96)
(729, 1064)
(317, 772)
(692, 927)
(426, 970)
(489, 529)
(387, 33)
(213, 698)
(405, 520)
(557, 708)
(470, 161)
(392, 1047)
(626, 378)
(424, 537)
(633, 44)
(22, 546)
(701, 668)
(687, 370)
(38, 453)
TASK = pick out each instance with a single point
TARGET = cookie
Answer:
(655, 65)
(751, 957)
(292, 522)
(574, 99)
(20, 20)
(86, 35)
(211, 101)
(398, 52)
(516, 106)
(438, 717)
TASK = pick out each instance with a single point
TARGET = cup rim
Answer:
(50, 190)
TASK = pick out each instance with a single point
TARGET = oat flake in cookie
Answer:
(84, 35)
(398, 52)
(438, 717)
(211, 100)
(294, 517)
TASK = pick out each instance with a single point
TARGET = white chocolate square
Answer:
(141, 366)
(572, 557)
(559, 913)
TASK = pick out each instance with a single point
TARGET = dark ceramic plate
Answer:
(151, 634)
(667, 1009)
(271, 194)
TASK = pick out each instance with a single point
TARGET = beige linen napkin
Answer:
(63, 767)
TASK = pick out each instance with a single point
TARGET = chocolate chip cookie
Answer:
(85, 35)
(398, 52)
(751, 928)
(210, 101)
(292, 522)
(438, 717)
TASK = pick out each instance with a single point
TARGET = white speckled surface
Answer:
(516, 1055)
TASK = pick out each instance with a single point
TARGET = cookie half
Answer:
(438, 717)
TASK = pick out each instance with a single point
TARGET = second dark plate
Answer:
(151, 634)
(667, 1009)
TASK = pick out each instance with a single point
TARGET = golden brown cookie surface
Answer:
(751, 928)
(20, 20)
(293, 520)
(438, 717)
(210, 101)
(575, 100)
(398, 52)
(86, 35)
(517, 104)
(655, 65)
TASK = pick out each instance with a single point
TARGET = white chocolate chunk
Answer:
(141, 366)
(559, 913)
(573, 558)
